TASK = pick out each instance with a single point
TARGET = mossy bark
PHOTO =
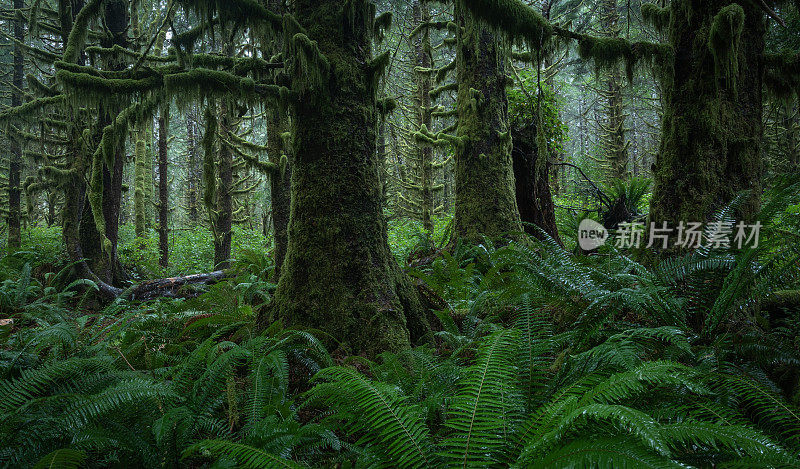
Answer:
(163, 191)
(422, 52)
(339, 275)
(280, 181)
(223, 208)
(193, 170)
(280, 186)
(613, 138)
(712, 128)
(15, 160)
(139, 183)
(534, 199)
(484, 196)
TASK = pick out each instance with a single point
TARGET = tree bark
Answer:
(534, 199)
(163, 191)
(223, 218)
(422, 51)
(339, 274)
(280, 186)
(712, 132)
(15, 163)
(485, 197)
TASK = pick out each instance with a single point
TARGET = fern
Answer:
(242, 455)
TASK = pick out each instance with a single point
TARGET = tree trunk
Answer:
(223, 218)
(613, 128)
(422, 51)
(193, 172)
(163, 190)
(485, 199)
(339, 274)
(280, 186)
(15, 163)
(534, 199)
(711, 138)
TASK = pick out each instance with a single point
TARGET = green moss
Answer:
(77, 35)
(209, 168)
(381, 25)
(29, 109)
(724, 40)
(434, 94)
(656, 16)
(513, 17)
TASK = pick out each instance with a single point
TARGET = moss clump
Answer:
(608, 52)
(656, 16)
(513, 17)
(724, 39)
(80, 27)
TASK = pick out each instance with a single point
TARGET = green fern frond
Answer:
(244, 456)
(378, 413)
(62, 459)
(486, 411)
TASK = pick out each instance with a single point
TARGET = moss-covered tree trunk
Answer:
(15, 160)
(615, 146)
(192, 170)
(712, 131)
(223, 210)
(422, 52)
(484, 174)
(281, 180)
(534, 199)
(280, 186)
(163, 190)
(339, 274)
(139, 183)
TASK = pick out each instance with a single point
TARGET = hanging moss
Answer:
(441, 74)
(724, 39)
(513, 17)
(386, 105)
(381, 25)
(656, 16)
(85, 88)
(203, 82)
(434, 94)
(312, 65)
(377, 67)
(77, 36)
(39, 88)
(29, 109)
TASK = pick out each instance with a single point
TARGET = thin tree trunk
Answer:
(15, 163)
(163, 191)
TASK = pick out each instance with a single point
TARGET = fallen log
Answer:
(171, 287)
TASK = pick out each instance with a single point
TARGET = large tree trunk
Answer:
(339, 274)
(163, 191)
(281, 180)
(15, 163)
(485, 200)
(280, 186)
(534, 198)
(711, 138)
